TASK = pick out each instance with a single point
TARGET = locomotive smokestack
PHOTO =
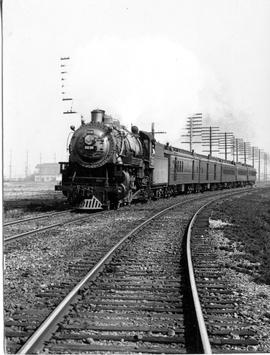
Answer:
(97, 116)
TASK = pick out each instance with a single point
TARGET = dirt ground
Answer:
(240, 232)
(32, 196)
(247, 233)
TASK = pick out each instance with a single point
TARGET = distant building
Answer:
(46, 172)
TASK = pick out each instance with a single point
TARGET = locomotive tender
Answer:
(109, 166)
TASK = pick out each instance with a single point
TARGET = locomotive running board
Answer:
(90, 204)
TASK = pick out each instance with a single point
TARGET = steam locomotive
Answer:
(110, 166)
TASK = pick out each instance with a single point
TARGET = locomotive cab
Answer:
(148, 143)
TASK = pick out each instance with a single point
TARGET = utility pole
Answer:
(238, 148)
(210, 138)
(64, 62)
(265, 166)
(259, 165)
(254, 149)
(193, 127)
(225, 142)
(226, 145)
(233, 148)
(155, 132)
(10, 164)
(245, 151)
(249, 152)
(26, 165)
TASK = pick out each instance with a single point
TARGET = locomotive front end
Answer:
(104, 160)
(92, 145)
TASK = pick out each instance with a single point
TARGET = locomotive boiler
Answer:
(107, 163)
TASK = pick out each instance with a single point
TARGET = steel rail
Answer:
(198, 310)
(21, 235)
(37, 217)
(34, 343)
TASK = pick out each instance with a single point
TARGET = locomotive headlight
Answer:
(88, 139)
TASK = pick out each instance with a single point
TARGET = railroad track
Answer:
(228, 329)
(46, 215)
(124, 307)
(11, 227)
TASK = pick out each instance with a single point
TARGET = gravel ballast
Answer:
(42, 261)
(240, 229)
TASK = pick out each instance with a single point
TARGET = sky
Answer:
(142, 61)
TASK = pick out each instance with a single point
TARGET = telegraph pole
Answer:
(259, 166)
(265, 166)
(26, 165)
(210, 138)
(225, 142)
(225, 145)
(194, 129)
(245, 151)
(10, 164)
(233, 148)
(238, 148)
(155, 132)
(64, 62)
(253, 156)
